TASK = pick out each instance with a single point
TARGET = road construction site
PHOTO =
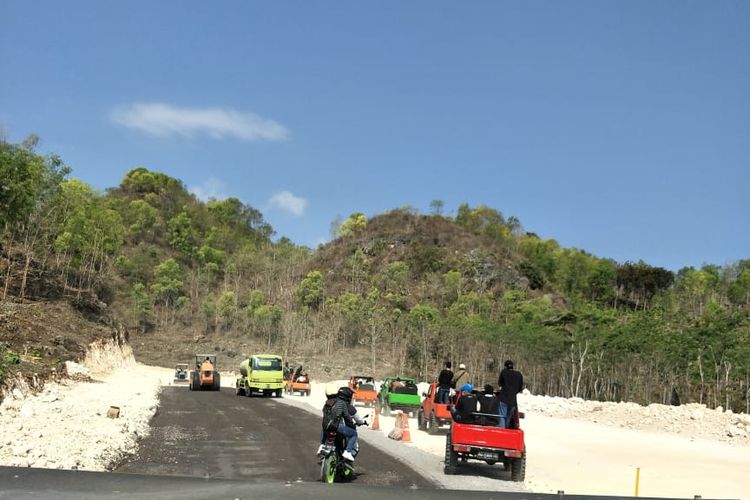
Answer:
(162, 428)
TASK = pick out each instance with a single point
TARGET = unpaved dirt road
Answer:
(220, 435)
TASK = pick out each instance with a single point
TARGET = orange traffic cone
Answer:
(405, 436)
(376, 421)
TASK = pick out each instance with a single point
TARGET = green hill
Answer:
(398, 293)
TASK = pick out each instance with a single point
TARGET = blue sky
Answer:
(622, 128)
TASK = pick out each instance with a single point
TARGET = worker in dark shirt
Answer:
(511, 383)
(444, 384)
(466, 405)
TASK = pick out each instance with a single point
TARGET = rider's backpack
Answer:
(330, 423)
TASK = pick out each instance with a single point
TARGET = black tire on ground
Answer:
(434, 425)
(451, 457)
(421, 424)
(278, 393)
(248, 392)
(217, 382)
(328, 469)
(518, 468)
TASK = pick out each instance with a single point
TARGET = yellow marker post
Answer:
(637, 479)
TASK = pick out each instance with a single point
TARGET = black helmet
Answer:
(346, 393)
(509, 364)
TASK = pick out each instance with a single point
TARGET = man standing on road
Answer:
(444, 384)
(461, 377)
(511, 383)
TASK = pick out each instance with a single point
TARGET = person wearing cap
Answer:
(466, 405)
(511, 383)
(461, 377)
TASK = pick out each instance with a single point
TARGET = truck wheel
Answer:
(451, 457)
(518, 468)
(278, 393)
(434, 425)
(217, 382)
(421, 424)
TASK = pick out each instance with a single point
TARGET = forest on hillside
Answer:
(415, 289)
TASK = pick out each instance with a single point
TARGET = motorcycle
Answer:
(333, 466)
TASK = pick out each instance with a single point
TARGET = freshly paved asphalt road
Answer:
(220, 435)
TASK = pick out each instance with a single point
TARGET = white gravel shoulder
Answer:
(66, 425)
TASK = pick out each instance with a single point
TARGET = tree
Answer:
(181, 234)
(267, 319)
(142, 219)
(310, 291)
(142, 308)
(354, 225)
(436, 206)
(168, 284)
(226, 308)
(30, 183)
(424, 317)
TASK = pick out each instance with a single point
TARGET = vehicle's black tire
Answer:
(278, 393)
(434, 427)
(217, 382)
(451, 457)
(421, 424)
(347, 473)
(490, 462)
(328, 469)
(518, 468)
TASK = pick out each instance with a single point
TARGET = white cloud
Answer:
(164, 120)
(210, 188)
(286, 201)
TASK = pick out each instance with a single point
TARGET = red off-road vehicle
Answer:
(488, 443)
(432, 415)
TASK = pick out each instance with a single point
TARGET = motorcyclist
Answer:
(347, 425)
(332, 395)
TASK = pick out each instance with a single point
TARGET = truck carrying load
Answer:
(261, 373)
